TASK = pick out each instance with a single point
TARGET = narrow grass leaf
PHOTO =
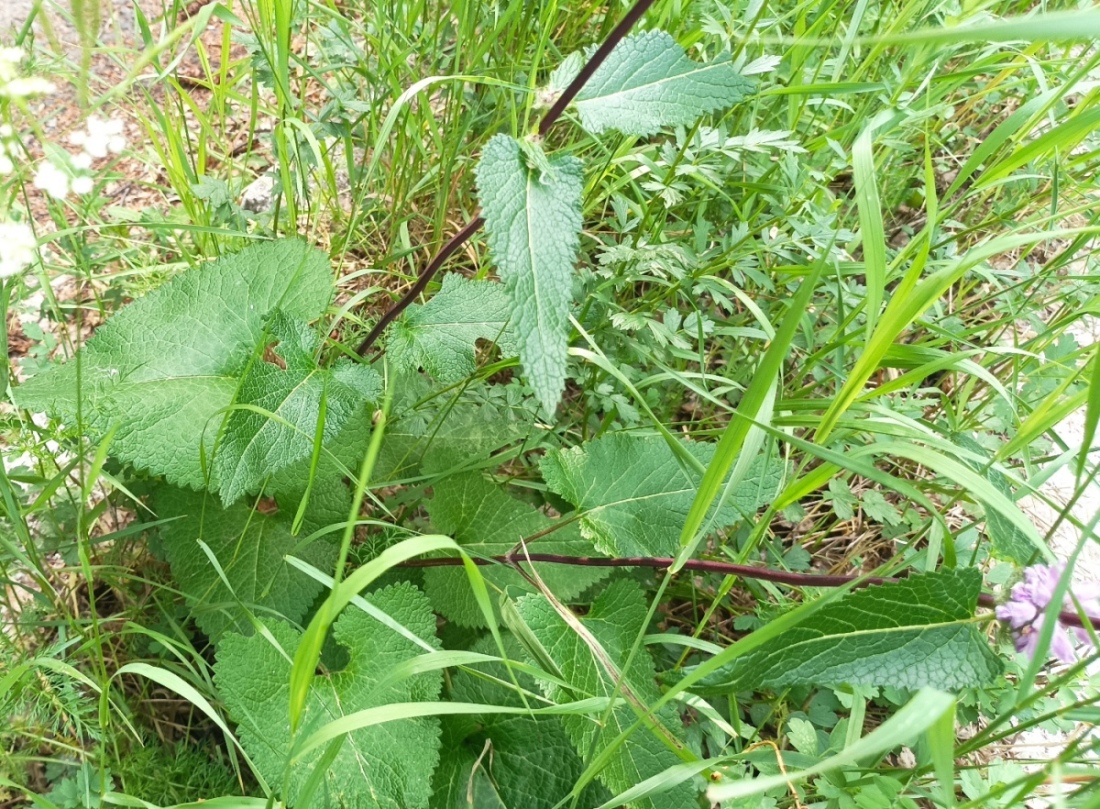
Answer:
(941, 748)
(1092, 415)
(918, 715)
(735, 433)
(175, 683)
(873, 236)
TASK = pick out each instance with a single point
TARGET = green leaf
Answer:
(249, 547)
(487, 522)
(290, 402)
(438, 435)
(648, 82)
(439, 336)
(913, 633)
(920, 713)
(164, 367)
(878, 508)
(840, 495)
(525, 761)
(615, 619)
(386, 765)
(1006, 540)
(634, 495)
(534, 222)
(462, 780)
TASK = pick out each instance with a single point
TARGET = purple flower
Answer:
(1026, 610)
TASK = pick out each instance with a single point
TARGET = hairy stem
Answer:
(548, 120)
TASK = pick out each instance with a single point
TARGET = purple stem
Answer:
(726, 568)
(450, 247)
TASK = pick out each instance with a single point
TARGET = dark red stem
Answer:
(704, 566)
(614, 38)
(421, 284)
(548, 120)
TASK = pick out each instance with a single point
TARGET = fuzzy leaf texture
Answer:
(162, 368)
(487, 522)
(533, 219)
(431, 433)
(531, 763)
(615, 619)
(635, 496)
(910, 634)
(439, 336)
(649, 82)
(297, 397)
(250, 548)
(440, 438)
(386, 766)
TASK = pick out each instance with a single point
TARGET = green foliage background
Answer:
(798, 286)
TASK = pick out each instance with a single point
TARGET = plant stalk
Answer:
(1067, 617)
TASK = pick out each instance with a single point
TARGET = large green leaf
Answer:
(287, 401)
(441, 434)
(462, 779)
(439, 336)
(634, 495)
(162, 368)
(648, 82)
(487, 522)
(385, 766)
(533, 217)
(249, 547)
(615, 619)
(914, 633)
(503, 760)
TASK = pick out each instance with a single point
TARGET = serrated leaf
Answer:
(878, 508)
(425, 433)
(387, 765)
(256, 445)
(487, 522)
(914, 633)
(634, 495)
(840, 495)
(249, 547)
(802, 736)
(615, 619)
(436, 435)
(1006, 541)
(533, 220)
(648, 82)
(521, 761)
(563, 74)
(162, 368)
(439, 336)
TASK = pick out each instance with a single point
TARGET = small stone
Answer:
(259, 196)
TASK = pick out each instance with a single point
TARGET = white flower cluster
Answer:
(18, 248)
(100, 138)
(13, 85)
